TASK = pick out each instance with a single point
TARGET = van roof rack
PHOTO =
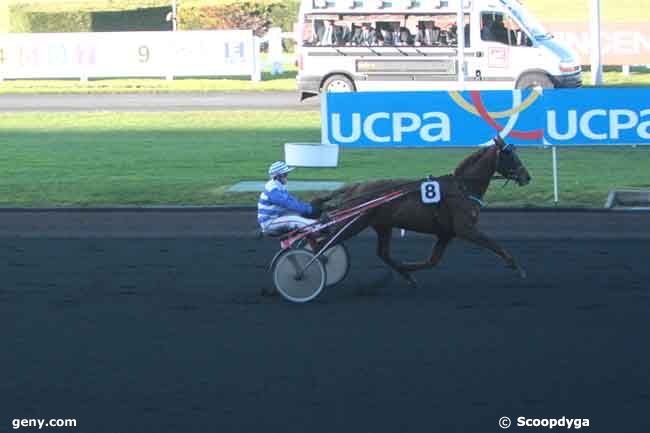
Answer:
(390, 5)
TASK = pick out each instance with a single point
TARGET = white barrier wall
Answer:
(129, 54)
(621, 43)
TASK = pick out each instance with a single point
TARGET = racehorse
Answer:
(456, 215)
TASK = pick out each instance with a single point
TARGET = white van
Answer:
(359, 45)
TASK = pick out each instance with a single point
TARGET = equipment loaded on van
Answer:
(360, 45)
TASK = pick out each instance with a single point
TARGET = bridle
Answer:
(509, 174)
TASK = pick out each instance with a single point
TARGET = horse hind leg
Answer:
(383, 251)
(437, 253)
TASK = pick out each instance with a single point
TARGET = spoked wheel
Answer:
(337, 263)
(296, 281)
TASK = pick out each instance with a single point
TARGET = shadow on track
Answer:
(171, 335)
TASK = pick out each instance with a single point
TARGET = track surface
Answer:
(157, 334)
(158, 102)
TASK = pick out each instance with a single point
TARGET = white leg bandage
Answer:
(286, 223)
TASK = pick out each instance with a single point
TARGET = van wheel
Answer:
(338, 83)
(535, 79)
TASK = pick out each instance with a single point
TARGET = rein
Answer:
(377, 191)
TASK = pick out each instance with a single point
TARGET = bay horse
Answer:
(456, 215)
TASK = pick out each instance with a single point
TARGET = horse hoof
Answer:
(413, 283)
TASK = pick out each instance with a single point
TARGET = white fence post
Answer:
(594, 30)
(460, 38)
(275, 59)
(556, 193)
(626, 70)
(174, 12)
(256, 74)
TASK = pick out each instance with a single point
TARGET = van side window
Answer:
(428, 34)
(327, 32)
(497, 28)
(366, 30)
(308, 33)
(438, 30)
(388, 33)
(394, 33)
(363, 34)
(333, 30)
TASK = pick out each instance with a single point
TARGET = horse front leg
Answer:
(476, 237)
(436, 255)
(383, 251)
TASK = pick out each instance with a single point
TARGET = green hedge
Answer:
(25, 21)
(110, 21)
(4, 17)
(285, 15)
(258, 15)
(149, 19)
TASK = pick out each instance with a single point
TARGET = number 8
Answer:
(430, 191)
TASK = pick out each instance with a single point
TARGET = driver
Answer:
(277, 210)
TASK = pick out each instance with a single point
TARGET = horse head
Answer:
(508, 163)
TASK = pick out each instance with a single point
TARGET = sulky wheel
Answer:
(337, 263)
(296, 281)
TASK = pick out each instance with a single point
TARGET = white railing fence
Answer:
(129, 54)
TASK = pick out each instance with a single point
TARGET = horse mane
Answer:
(358, 192)
(470, 160)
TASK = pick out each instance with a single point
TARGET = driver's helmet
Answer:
(278, 168)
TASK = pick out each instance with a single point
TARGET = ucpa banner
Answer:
(526, 117)
(597, 116)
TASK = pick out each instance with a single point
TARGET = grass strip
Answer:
(639, 76)
(86, 159)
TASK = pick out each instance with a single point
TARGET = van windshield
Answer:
(527, 20)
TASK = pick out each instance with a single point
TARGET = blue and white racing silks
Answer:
(275, 201)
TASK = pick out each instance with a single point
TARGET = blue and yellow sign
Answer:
(472, 118)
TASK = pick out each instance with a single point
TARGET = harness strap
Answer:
(477, 200)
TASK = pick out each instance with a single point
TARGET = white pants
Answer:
(286, 224)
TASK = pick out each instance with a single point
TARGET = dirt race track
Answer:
(153, 322)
